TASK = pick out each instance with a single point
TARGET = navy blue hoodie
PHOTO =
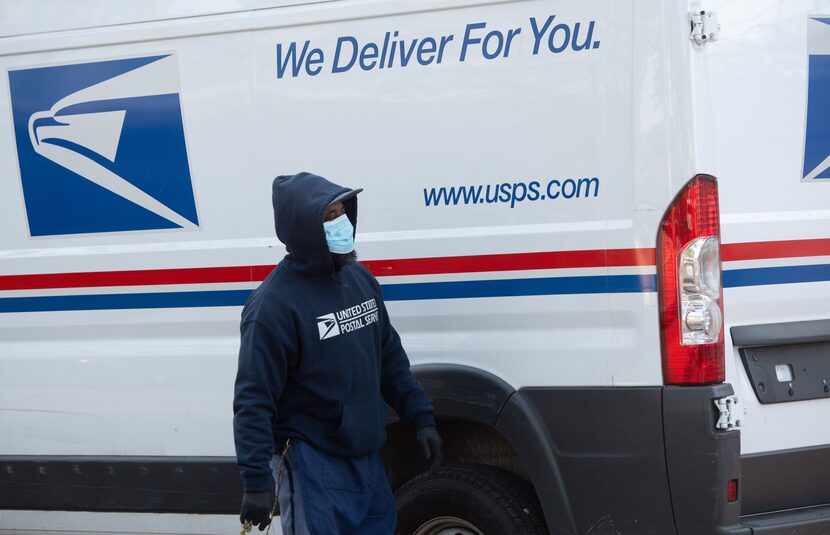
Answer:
(319, 358)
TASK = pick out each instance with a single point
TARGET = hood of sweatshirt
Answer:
(299, 204)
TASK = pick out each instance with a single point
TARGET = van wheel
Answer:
(468, 500)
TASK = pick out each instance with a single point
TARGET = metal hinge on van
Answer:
(705, 27)
(730, 412)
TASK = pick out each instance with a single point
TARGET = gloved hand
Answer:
(431, 443)
(256, 508)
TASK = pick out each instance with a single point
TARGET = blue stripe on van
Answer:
(520, 287)
(391, 292)
(735, 278)
(53, 303)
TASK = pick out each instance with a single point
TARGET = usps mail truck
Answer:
(601, 227)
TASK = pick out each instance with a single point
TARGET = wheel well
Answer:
(464, 443)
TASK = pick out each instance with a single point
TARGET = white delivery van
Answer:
(615, 341)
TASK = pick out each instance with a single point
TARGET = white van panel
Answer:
(477, 122)
(757, 89)
(18, 18)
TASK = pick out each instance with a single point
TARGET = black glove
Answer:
(431, 443)
(256, 508)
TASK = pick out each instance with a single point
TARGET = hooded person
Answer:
(319, 361)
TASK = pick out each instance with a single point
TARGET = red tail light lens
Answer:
(732, 490)
(689, 285)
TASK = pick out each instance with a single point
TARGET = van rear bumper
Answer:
(785, 480)
(809, 521)
(628, 460)
(649, 460)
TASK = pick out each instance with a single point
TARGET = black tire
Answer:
(492, 500)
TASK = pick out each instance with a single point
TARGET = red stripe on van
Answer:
(135, 277)
(731, 252)
(511, 262)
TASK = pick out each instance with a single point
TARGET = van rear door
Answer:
(767, 85)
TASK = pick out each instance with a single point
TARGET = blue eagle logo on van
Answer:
(101, 147)
(817, 136)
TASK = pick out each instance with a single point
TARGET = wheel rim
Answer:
(447, 525)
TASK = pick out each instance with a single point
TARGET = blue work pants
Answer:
(323, 494)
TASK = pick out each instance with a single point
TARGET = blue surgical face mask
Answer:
(339, 235)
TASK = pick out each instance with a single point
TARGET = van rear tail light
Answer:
(689, 285)
(732, 490)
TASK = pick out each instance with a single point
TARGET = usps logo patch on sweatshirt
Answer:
(817, 130)
(101, 146)
(348, 320)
